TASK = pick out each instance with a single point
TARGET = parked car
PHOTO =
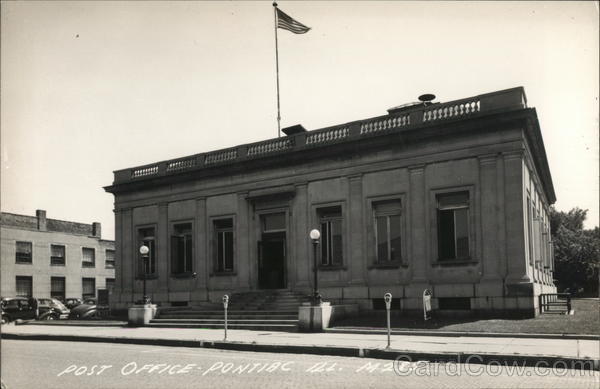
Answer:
(72, 302)
(57, 308)
(88, 310)
(14, 308)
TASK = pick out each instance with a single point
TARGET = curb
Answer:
(70, 323)
(375, 353)
(463, 334)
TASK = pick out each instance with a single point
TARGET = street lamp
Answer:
(144, 250)
(314, 236)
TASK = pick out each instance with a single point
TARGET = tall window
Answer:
(224, 245)
(57, 255)
(88, 286)
(146, 237)
(57, 288)
(24, 286)
(331, 236)
(88, 257)
(453, 226)
(109, 261)
(529, 230)
(181, 248)
(23, 252)
(388, 231)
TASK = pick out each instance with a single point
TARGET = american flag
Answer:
(285, 22)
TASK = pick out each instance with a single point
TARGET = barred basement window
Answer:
(181, 248)
(88, 285)
(88, 257)
(224, 245)
(331, 236)
(23, 252)
(109, 261)
(57, 255)
(57, 288)
(453, 226)
(388, 241)
(24, 286)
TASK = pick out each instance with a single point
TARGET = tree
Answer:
(576, 251)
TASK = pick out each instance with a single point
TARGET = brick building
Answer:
(452, 197)
(44, 257)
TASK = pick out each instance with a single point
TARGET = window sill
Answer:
(88, 266)
(182, 275)
(223, 274)
(332, 268)
(24, 262)
(147, 277)
(454, 262)
(57, 264)
(388, 265)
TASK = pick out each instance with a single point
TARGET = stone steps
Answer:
(259, 327)
(229, 316)
(257, 310)
(229, 321)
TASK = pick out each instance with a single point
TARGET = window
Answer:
(224, 245)
(273, 222)
(57, 288)
(181, 248)
(88, 286)
(57, 255)
(24, 286)
(379, 304)
(454, 303)
(23, 252)
(110, 285)
(109, 261)
(529, 230)
(146, 237)
(88, 257)
(331, 236)
(453, 226)
(387, 231)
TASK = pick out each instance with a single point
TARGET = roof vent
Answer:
(293, 130)
(425, 99)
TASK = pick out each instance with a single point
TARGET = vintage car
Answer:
(14, 308)
(88, 310)
(60, 311)
(72, 302)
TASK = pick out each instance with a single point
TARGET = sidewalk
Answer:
(446, 348)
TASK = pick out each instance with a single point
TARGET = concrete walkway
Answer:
(351, 344)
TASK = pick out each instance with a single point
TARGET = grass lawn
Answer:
(586, 320)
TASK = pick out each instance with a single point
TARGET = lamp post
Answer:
(144, 250)
(314, 236)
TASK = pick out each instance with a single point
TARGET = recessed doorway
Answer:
(271, 252)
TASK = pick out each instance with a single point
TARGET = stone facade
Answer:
(450, 197)
(39, 249)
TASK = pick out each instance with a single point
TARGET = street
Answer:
(49, 364)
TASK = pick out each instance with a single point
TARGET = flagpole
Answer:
(277, 70)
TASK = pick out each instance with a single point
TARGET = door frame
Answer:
(260, 236)
(273, 237)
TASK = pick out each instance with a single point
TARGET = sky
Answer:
(87, 88)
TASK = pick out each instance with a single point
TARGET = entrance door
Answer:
(271, 263)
